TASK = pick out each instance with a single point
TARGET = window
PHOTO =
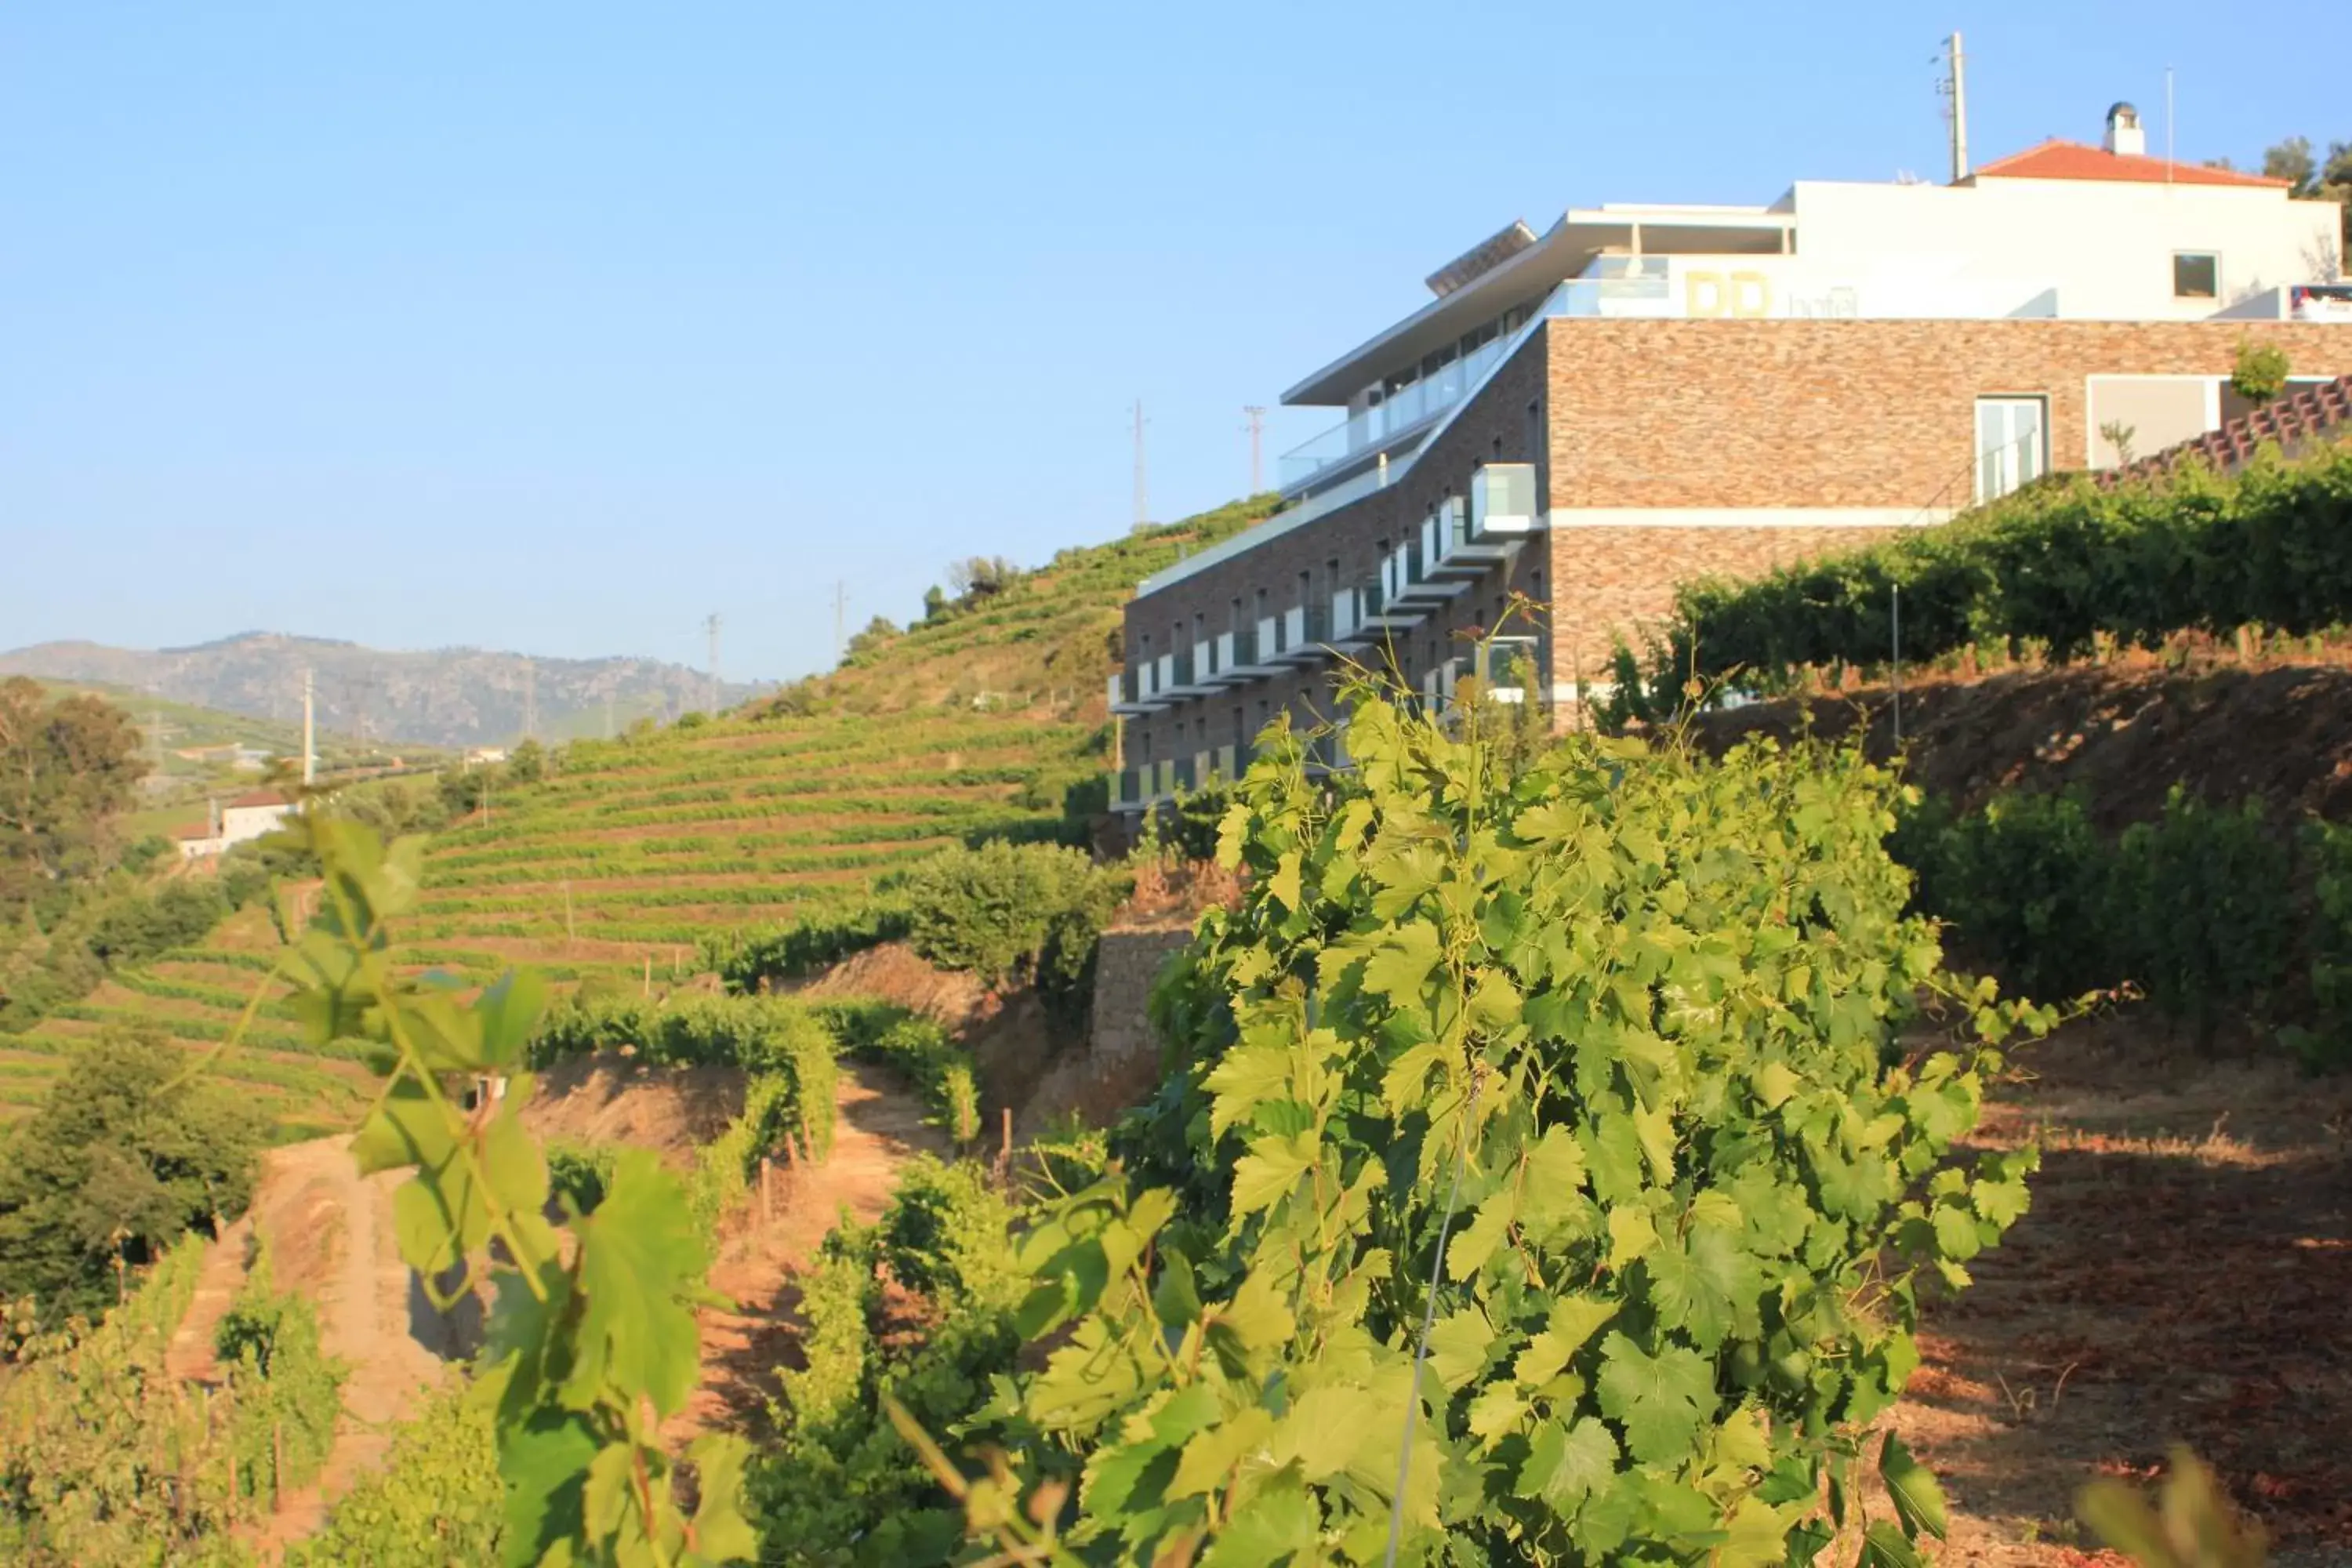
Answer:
(2012, 443)
(2196, 275)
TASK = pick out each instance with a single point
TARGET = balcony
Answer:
(1637, 286)
(1257, 650)
(1181, 676)
(1409, 576)
(1446, 552)
(1304, 630)
(1510, 666)
(1385, 424)
(1503, 502)
(1376, 612)
(1142, 690)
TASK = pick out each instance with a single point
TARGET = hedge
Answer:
(2059, 564)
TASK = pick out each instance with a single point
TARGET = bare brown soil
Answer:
(878, 1128)
(893, 974)
(609, 1098)
(2185, 1275)
(329, 1232)
(2125, 731)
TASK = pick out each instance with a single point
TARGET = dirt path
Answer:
(329, 1234)
(2182, 1275)
(879, 1126)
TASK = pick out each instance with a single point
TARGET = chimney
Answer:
(2123, 133)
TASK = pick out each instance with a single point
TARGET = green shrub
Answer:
(1014, 914)
(581, 1172)
(2026, 885)
(747, 961)
(2327, 1042)
(2057, 565)
(917, 1310)
(1585, 1062)
(436, 1501)
(770, 1037)
(941, 1070)
(2198, 908)
(2204, 896)
(126, 1154)
(287, 1392)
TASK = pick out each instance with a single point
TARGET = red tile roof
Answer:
(257, 797)
(2310, 413)
(2057, 160)
(194, 830)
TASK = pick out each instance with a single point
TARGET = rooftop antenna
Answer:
(1254, 413)
(1955, 86)
(1142, 492)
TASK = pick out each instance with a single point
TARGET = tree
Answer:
(981, 576)
(2261, 373)
(935, 603)
(67, 770)
(2312, 178)
(2291, 161)
(128, 1152)
(527, 763)
(878, 631)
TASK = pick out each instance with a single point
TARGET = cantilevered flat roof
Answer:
(1564, 251)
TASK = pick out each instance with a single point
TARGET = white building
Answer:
(2061, 231)
(238, 821)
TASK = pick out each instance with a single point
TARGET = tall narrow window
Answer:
(2012, 443)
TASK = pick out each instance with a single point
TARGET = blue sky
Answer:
(557, 328)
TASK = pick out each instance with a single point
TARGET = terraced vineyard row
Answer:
(196, 995)
(962, 727)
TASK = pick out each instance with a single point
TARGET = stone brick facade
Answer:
(1695, 422)
(1732, 415)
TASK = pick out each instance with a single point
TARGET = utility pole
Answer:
(310, 730)
(712, 625)
(1142, 490)
(529, 700)
(1955, 86)
(840, 621)
(1256, 414)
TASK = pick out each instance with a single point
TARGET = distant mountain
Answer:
(447, 697)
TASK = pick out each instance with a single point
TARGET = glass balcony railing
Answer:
(1502, 500)
(1618, 285)
(1414, 403)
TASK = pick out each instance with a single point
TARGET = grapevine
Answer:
(592, 1340)
(1658, 1016)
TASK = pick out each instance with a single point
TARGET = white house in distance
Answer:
(237, 821)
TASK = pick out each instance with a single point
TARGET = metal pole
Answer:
(1959, 112)
(1895, 615)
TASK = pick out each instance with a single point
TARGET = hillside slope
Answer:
(440, 697)
(631, 850)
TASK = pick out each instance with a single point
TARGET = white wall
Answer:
(2106, 244)
(241, 822)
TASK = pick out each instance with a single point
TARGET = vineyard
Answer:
(616, 865)
(2058, 569)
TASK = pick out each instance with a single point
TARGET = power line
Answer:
(712, 625)
(1143, 489)
(1256, 414)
